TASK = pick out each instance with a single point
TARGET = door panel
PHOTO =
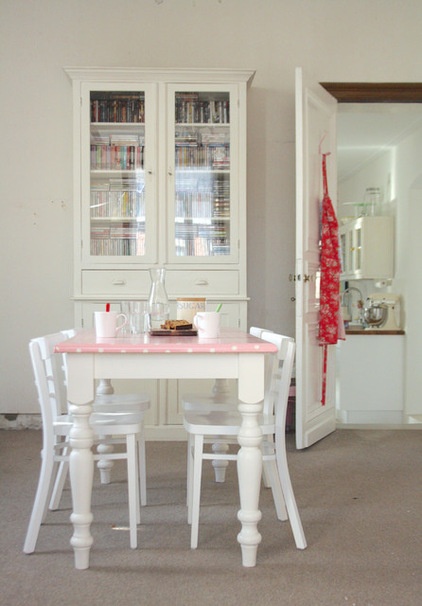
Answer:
(315, 134)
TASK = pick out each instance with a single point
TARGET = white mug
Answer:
(106, 325)
(208, 324)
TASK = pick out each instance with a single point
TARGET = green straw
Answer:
(219, 307)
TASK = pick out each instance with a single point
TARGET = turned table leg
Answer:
(81, 464)
(249, 460)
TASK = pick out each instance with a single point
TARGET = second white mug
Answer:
(208, 324)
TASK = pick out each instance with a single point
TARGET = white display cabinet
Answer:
(160, 180)
(367, 246)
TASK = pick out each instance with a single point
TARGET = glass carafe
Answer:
(158, 302)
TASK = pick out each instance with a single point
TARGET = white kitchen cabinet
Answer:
(367, 247)
(160, 180)
(370, 379)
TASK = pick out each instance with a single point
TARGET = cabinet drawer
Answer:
(127, 282)
(205, 283)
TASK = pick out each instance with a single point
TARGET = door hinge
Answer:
(298, 278)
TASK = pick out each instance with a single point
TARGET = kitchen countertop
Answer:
(357, 330)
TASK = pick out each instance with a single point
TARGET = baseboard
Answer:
(20, 421)
(33, 421)
(389, 426)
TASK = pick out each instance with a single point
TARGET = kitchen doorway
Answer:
(409, 261)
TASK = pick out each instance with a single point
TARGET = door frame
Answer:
(375, 92)
(367, 92)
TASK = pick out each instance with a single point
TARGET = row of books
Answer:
(216, 183)
(209, 231)
(117, 244)
(210, 156)
(117, 157)
(135, 247)
(118, 108)
(200, 206)
(129, 157)
(204, 136)
(130, 204)
(201, 247)
(127, 107)
(190, 108)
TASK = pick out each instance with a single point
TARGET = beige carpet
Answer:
(360, 498)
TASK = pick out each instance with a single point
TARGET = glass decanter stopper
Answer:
(158, 302)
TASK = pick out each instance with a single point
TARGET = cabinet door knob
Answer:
(201, 283)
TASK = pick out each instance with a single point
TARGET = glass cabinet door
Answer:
(344, 251)
(358, 248)
(117, 175)
(203, 168)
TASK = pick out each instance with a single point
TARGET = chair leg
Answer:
(41, 500)
(189, 472)
(105, 465)
(196, 489)
(133, 488)
(220, 465)
(267, 448)
(142, 468)
(275, 485)
(289, 498)
(59, 483)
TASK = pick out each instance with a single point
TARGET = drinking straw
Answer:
(219, 306)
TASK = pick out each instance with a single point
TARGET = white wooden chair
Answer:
(225, 425)
(109, 428)
(220, 399)
(106, 401)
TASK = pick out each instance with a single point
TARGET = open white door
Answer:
(315, 134)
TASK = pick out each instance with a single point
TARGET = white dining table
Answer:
(233, 355)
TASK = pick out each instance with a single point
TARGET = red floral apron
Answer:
(331, 327)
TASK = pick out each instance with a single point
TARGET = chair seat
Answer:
(103, 424)
(195, 402)
(222, 423)
(132, 402)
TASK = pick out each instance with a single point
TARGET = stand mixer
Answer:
(382, 312)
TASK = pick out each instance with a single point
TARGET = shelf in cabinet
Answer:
(116, 124)
(101, 172)
(118, 219)
(202, 170)
(201, 220)
(197, 124)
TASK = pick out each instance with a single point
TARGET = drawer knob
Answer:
(119, 282)
(201, 283)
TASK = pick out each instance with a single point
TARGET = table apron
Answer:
(248, 368)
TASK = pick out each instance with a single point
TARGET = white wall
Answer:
(341, 40)
(408, 269)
